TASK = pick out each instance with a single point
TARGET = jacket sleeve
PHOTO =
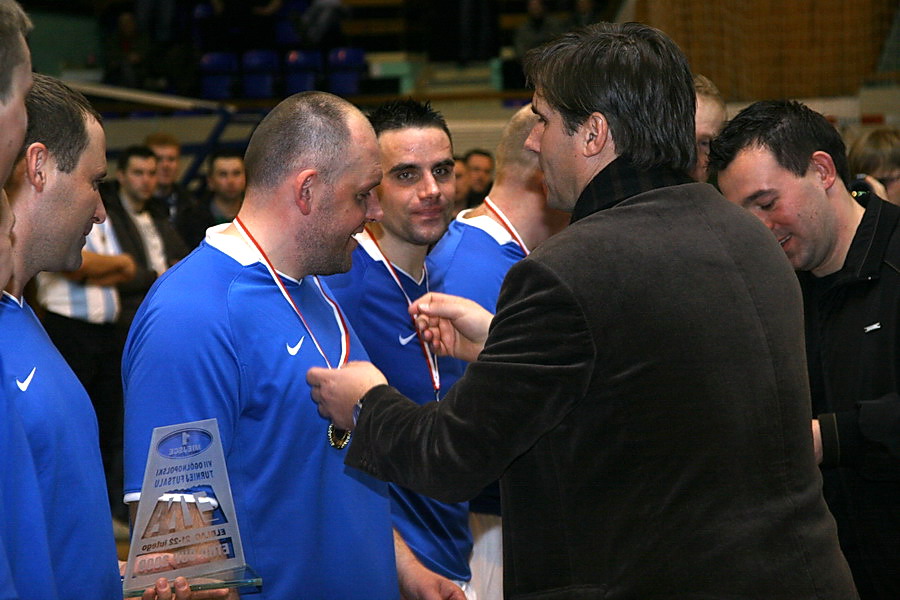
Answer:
(536, 366)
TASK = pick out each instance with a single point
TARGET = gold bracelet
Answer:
(339, 443)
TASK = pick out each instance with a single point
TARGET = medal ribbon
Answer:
(506, 224)
(430, 358)
(338, 316)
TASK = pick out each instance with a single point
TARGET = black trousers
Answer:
(94, 352)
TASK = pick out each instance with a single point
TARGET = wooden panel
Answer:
(776, 48)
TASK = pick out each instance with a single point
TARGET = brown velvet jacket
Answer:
(643, 395)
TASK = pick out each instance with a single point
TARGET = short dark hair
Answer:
(478, 152)
(13, 23)
(161, 138)
(631, 73)
(791, 131)
(57, 118)
(133, 152)
(214, 156)
(307, 127)
(400, 114)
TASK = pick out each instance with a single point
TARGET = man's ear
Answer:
(37, 165)
(824, 166)
(306, 186)
(595, 132)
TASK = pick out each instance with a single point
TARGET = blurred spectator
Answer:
(461, 176)
(170, 197)
(225, 182)
(875, 159)
(539, 28)
(480, 173)
(583, 13)
(127, 53)
(320, 24)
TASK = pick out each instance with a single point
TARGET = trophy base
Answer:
(240, 577)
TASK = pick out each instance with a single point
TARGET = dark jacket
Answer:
(643, 394)
(853, 345)
(131, 293)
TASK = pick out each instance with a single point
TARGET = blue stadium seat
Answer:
(217, 72)
(346, 67)
(261, 68)
(302, 68)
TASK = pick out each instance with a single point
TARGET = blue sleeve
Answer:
(178, 366)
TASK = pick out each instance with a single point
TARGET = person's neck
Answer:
(279, 249)
(22, 273)
(136, 204)
(163, 190)
(410, 258)
(228, 207)
(849, 215)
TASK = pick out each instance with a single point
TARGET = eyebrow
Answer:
(407, 166)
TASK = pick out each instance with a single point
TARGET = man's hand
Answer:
(453, 326)
(337, 391)
(419, 583)
(182, 591)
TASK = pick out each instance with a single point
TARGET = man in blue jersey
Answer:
(229, 332)
(416, 195)
(24, 556)
(53, 194)
(493, 236)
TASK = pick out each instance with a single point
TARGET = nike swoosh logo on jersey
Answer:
(405, 340)
(23, 385)
(293, 350)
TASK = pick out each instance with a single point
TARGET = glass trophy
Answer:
(186, 524)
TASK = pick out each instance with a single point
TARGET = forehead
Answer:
(414, 145)
(754, 169)
(141, 163)
(709, 110)
(165, 149)
(228, 164)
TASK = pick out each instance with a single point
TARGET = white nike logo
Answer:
(405, 340)
(293, 350)
(872, 327)
(23, 385)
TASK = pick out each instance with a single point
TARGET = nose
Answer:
(373, 208)
(100, 211)
(429, 187)
(532, 142)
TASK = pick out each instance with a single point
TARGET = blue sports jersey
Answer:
(471, 261)
(61, 428)
(437, 532)
(25, 561)
(215, 339)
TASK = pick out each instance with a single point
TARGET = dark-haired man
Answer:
(480, 173)
(641, 392)
(24, 553)
(416, 197)
(229, 333)
(54, 197)
(786, 164)
(147, 236)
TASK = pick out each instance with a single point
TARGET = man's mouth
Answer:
(784, 240)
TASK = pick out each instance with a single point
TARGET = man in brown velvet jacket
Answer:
(642, 391)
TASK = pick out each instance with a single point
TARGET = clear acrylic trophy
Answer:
(186, 524)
